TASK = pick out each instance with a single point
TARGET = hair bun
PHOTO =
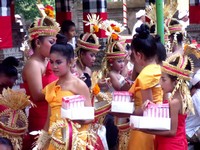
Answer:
(143, 31)
(157, 38)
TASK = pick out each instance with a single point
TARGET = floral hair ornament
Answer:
(44, 26)
(13, 121)
(112, 29)
(95, 23)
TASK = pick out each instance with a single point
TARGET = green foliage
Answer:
(28, 9)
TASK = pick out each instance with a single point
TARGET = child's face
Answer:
(118, 64)
(59, 64)
(88, 58)
(71, 33)
(166, 83)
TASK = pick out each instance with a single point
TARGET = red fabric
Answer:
(61, 16)
(194, 14)
(38, 115)
(5, 32)
(177, 142)
(2, 108)
(101, 33)
(98, 145)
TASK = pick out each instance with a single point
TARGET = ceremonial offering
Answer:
(155, 116)
(121, 102)
(73, 108)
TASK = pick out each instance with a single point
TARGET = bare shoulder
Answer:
(175, 104)
(32, 67)
(79, 83)
(32, 64)
(88, 71)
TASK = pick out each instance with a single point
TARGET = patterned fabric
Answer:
(63, 5)
(5, 7)
(94, 6)
(194, 2)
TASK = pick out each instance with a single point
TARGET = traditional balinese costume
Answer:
(178, 142)
(84, 45)
(148, 78)
(13, 120)
(44, 26)
(116, 135)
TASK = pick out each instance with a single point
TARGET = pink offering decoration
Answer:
(157, 110)
(74, 101)
(122, 96)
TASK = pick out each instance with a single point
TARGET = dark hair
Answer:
(65, 50)
(153, 28)
(6, 142)
(33, 45)
(161, 51)
(175, 63)
(143, 42)
(179, 35)
(66, 25)
(61, 39)
(8, 66)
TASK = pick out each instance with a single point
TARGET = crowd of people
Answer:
(61, 66)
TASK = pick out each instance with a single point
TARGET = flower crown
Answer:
(95, 23)
(51, 27)
(112, 29)
(13, 121)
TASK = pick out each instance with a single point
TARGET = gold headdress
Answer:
(95, 23)
(193, 48)
(44, 26)
(13, 121)
(176, 65)
(115, 45)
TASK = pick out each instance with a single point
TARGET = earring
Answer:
(111, 64)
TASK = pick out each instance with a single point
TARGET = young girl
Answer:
(61, 58)
(37, 73)
(115, 64)
(176, 71)
(88, 46)
(146, 85)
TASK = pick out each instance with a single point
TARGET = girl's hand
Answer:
(146, 103)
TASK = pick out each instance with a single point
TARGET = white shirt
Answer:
(73, 43)
(137, 24)
(193, 121)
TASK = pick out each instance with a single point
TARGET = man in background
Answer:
(140, 16)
